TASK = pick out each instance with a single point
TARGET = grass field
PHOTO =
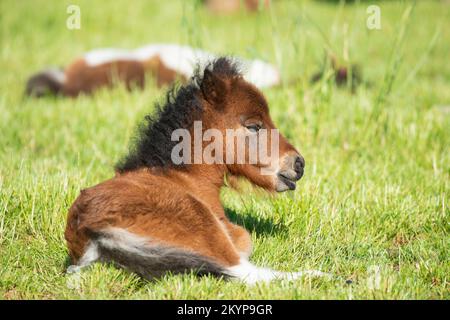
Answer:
(372, 207)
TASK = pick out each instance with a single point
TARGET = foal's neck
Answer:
(204, 182)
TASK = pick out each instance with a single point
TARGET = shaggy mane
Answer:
(152, 146)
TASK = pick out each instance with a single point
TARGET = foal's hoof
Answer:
(73, 269)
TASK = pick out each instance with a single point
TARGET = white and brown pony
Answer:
(165, 62)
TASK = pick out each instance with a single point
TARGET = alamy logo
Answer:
(373, 21)
(74, 19)
(237, 146)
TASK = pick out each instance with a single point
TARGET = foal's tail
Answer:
(50, 81)
(138, 255)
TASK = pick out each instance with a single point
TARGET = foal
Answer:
(156, 216)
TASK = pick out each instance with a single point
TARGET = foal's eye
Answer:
(253, 127)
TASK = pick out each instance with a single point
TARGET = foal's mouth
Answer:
(286, 181)
(287, 178)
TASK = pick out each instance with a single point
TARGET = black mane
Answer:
(152, 146)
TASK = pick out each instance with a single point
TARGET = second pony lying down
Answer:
(156, 216)
(165, 62)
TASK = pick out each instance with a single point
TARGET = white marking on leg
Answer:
(90, 255)
(252, 274)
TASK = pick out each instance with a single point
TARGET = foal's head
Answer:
(222, 100)
(230, 102)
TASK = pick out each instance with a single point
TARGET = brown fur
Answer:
(163, 74)
(82, 78)
(180, 206)
(185, 212)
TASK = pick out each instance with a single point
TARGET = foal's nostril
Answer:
(299, 164)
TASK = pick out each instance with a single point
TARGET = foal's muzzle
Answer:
(291, 170)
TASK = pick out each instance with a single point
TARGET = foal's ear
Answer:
(213, 88)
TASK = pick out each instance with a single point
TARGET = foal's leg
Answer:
(252, 274)
(241, 239)
(90, 256)
(198, 230)
(248, 272)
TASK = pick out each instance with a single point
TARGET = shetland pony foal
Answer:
(155, 216)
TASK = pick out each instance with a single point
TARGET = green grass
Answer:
(376, 190)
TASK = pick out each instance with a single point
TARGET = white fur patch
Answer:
(261, 74)
(90, 256)
(121, 238)
(118, 238)
(56, 74)
(182, 59)
(107, 55)
(252, 274)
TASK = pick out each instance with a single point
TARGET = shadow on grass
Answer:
(256, 224)
(67, 262)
